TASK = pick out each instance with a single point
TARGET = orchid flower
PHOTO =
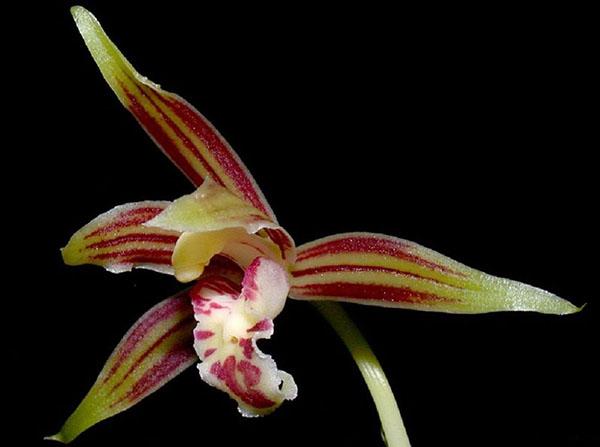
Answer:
(225, 241)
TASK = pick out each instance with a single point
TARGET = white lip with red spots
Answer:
(230, 321)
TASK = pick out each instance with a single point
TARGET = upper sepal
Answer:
(182, 133)
(382, 270)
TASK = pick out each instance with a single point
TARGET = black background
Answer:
(467, 131)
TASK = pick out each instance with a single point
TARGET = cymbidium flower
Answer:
(224, 239)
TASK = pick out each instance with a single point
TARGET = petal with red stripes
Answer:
(155, 350)
(182, 133)
(386, 271)
(118, 241)
(230, 322)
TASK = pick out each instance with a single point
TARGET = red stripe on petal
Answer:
(126, 219)
(170, 363)
(146, 260)
(161, 138)
(367, 244)
(135, 237)
(175, 328)
(361, 268)
(139, 332)
(366, 292)
(148, 93)
(137, 255)
(219, 149)
(355, 244)
(281, 239)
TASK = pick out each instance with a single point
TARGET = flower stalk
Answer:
(371, 370)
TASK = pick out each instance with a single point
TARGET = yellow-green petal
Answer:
(155, 350)
(381, 270)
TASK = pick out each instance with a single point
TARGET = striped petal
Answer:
(182, 133)
(213, 220)
(118, 241)
(155, 350)
(230, 321)
(386, 271)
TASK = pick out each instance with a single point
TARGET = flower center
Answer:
(235, 327)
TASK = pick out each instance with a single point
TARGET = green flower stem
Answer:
(389, 414)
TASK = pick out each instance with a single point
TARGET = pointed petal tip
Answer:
(567, 309)
(572, 308)
(129, 375)
(56, 437)
(69, 255)
(530, 298)
(579, 309)
(76, 9)
(79, 13)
